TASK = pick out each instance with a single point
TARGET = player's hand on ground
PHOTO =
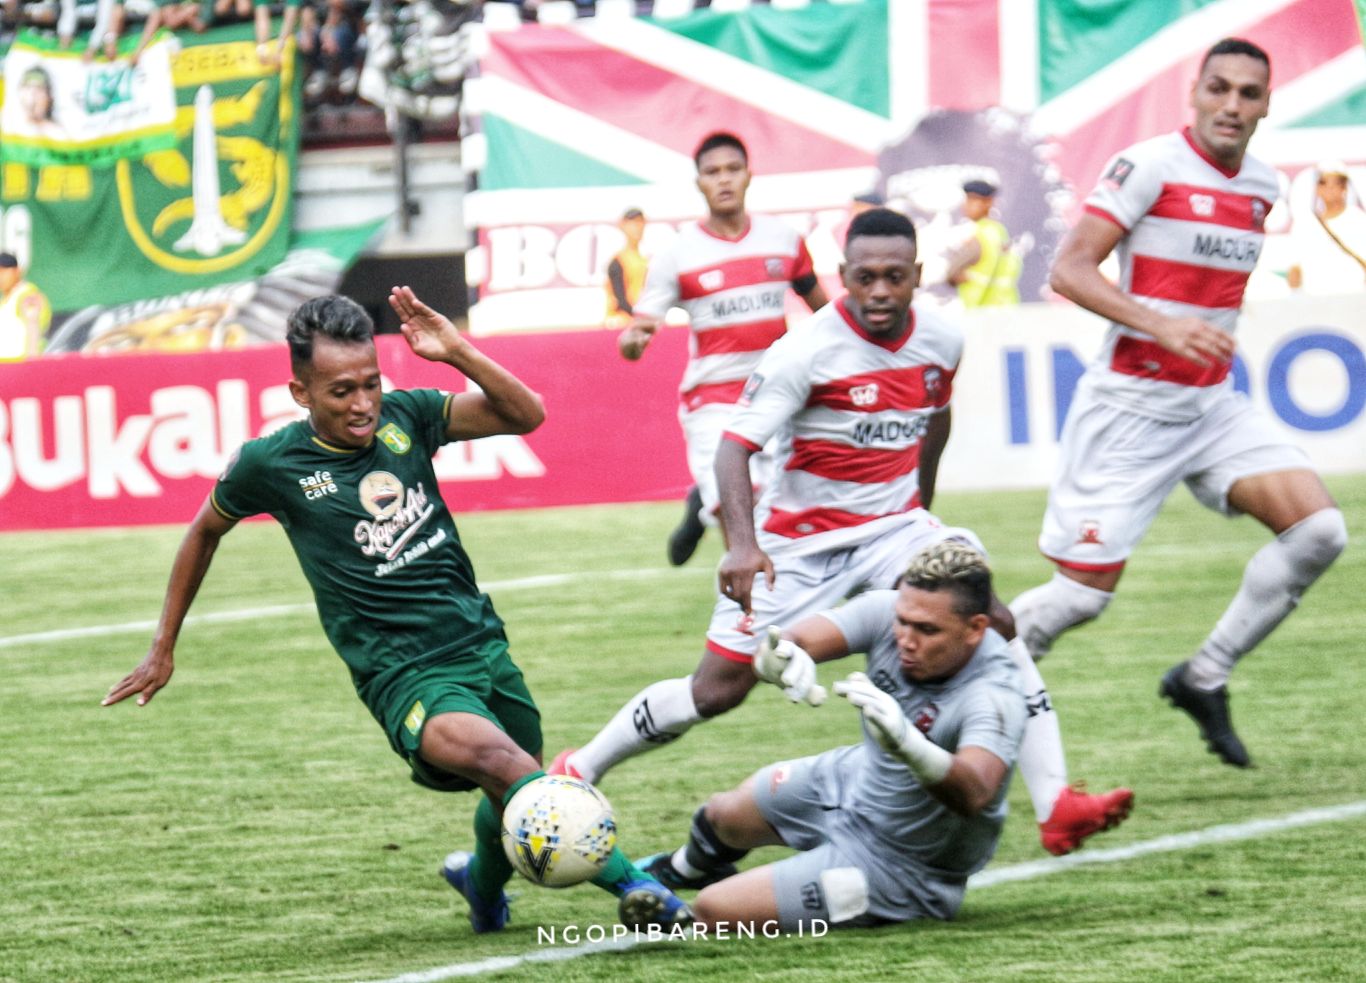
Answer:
(1195, 339)
(430, 334)
(631, 342)
(152, 673)
(735, 575)
(880, 710)
(784, 663)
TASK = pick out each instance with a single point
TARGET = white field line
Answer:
(1227, 833)
(285, 610)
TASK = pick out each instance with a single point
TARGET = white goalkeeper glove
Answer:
(892, 731)
(786, 664)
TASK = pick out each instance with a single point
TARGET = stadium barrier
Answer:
(134, 439)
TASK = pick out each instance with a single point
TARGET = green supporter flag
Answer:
(208, 201)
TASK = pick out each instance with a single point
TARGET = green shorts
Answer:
(483, 681)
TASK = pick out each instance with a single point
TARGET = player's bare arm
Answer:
(931, 450)
(632, 341)
(1076, 275)
(187, 573)
(820, 637)
(815, 298)
(972, 782)
(505, 404)
(743, 559)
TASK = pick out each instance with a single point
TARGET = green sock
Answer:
(490, 870)
(618, 872)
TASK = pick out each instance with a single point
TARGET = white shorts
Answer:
(1116, 468)
(807, 584)
(702, 429)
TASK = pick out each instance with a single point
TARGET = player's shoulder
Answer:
(771, 227)
(940, 333)
(1261, 176)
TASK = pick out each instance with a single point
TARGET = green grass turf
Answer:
(251, 823)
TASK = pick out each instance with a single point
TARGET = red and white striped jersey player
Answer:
(1185, 212)
(858, 397)
(730, 272)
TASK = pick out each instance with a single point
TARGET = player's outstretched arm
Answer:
(1076, 275)
(964, 781)
(632, 341)
(187, 573)
(743, 559)
(504, 404)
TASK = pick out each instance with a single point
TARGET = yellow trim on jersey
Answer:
(213, 500)
(338, 450)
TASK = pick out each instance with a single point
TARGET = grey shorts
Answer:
(838, 878)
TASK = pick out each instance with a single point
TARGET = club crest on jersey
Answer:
(1119, 172)
(781, 773)
(712, 280)
(773, 266)
(1202, 205)
(863, 395)
(752, 385)
(925, 718)
(745, 624)
(934, 384)
(394, 438)
(1258, 215)
(381, 494)
(1089, 533)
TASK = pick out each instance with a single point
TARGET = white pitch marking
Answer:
(284, 610)
(1015, 872)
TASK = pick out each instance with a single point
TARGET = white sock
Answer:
(1045, 612)
(1273, 582)
(1043, 767)
(660, 713)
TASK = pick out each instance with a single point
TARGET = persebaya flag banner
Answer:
(67, 110)
(573, 124)
(212, 205)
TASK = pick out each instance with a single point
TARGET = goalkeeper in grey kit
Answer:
(889, 829)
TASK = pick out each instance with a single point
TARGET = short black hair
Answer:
(955, 566)
(336, 317)
(879, 222)
(1236, 46)
(719, 139)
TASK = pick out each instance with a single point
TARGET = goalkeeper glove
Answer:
(892, 731)
(786, 664)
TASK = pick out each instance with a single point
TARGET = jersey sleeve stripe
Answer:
(218, 507)
(1149, 360)
(755, 336)
(729, 655)
(1205, 286)
(1099, 212)
(744, 441)
(1089, 567)
(843, 462)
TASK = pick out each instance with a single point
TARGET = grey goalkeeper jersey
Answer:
(983, 705)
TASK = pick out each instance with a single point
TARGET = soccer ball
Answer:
(558, 831)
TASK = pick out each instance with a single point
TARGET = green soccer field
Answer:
(252, 824)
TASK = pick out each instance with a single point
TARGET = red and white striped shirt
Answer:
(851, 411)
(733, 291)
(1194, 231)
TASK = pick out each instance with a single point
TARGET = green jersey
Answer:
(394, 587)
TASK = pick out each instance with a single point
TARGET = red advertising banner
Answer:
(137, 439)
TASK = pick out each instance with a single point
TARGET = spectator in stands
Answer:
(273, 54)
(330, 46)
(626, 272)
(24, 313)
(1330, 244)
(992, 280)
(150, 26)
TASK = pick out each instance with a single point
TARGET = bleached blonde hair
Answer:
(956, 566)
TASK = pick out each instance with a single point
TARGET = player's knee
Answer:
(1317, 540)
(714, 693)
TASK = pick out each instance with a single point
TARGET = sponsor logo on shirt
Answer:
(1228, 247)
(712, 280)
(317, 484)
(863, 395)
(775, 267)
(1202, 205)
(394, 438)
(768, 302)
(381, 494)
(884, 431)
(399, 515)
(811, 896)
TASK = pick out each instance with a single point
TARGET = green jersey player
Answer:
(354, 488)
